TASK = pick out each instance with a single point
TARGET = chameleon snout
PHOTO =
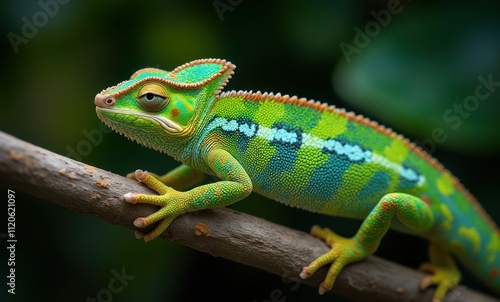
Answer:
(104, 101)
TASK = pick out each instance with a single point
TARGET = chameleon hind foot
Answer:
(410, 210)
(445, 274)
(344, 251)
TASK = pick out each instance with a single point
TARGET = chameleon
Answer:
(302, 153)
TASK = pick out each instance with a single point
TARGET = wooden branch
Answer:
(222, 232)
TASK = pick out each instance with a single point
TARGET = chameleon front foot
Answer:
(344, 251)
(169, 200)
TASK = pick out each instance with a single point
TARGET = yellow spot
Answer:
(269, 112)
(357, 176)
(397, 152)
(265, 153)
(308, 159)
(448, 216)
(445, 184)
(493, 247)
(472, 235)
(233, 111)
(329, 126)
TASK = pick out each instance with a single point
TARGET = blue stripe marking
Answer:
(286, 135)
(287, 142)
(352, 152)
(292, 139)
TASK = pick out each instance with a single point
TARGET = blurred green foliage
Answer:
(427, 58)
(428, 74)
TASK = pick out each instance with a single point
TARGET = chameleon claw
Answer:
(314, 229)
(131, 175)
(425, 282)
(139, 234)
(322, 289)
(148, 238)
(140, 175)
(306, 273)
(130, 198)
(140, 222)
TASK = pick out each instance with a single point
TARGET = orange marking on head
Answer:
(175, 112)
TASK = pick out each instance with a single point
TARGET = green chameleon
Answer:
(302, 153)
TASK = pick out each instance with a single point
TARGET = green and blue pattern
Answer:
(302, 153)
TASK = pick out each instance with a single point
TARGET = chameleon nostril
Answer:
(104, 101)
(109, 101)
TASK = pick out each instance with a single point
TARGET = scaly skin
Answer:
(304, 154)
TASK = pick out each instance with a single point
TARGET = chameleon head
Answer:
(160, 109)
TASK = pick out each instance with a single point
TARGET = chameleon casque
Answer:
(302, 153)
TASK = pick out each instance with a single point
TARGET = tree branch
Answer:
(222, 232)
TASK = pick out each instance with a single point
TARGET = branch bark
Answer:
(222, 232)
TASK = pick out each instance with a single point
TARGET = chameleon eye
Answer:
(152, 97)
(152, 102)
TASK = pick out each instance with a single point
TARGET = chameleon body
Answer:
(302, 153)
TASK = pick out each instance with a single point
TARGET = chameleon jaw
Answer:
(165, 123)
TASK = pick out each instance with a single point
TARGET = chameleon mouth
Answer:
(165, 123)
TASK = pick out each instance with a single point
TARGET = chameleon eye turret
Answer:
(152, 97)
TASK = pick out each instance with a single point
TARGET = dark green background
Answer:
(411, 70)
